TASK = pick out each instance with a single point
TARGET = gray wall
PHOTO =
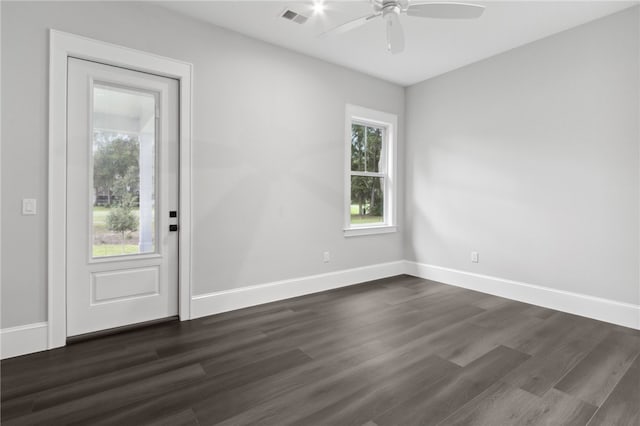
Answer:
(531, 158)
(268, 146)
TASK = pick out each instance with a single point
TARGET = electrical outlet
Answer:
(326, 257)
(474, 257)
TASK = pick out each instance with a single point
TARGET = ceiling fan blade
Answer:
(445, 10)
(395, 33)
(348, 26)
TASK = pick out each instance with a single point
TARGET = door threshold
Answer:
(117, 330)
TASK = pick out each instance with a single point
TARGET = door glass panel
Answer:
(123, 219)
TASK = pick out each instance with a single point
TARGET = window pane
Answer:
(357, 148)
(123, 189)
(366, 148)
(367, 200)
(373, 148)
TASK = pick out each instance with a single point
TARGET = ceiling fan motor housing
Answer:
(390, 6)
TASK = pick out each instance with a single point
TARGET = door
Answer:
(122, 197)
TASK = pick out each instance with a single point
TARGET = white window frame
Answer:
(373, 118)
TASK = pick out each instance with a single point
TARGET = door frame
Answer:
(61, 46)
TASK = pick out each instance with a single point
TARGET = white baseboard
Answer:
(24, 339)
(625, 314)
(229, 300)
(31, 338)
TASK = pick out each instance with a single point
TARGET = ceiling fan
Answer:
(390, 11)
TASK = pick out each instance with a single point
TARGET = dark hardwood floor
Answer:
(398, 351)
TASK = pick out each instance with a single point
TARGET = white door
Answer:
(122, 184)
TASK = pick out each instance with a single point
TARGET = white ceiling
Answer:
(433, 46)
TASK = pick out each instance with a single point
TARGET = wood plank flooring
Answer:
(398, 351)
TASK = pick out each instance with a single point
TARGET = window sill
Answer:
(370, 230)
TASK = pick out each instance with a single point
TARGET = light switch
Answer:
(29, 206)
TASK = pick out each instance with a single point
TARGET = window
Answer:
(370, 171)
